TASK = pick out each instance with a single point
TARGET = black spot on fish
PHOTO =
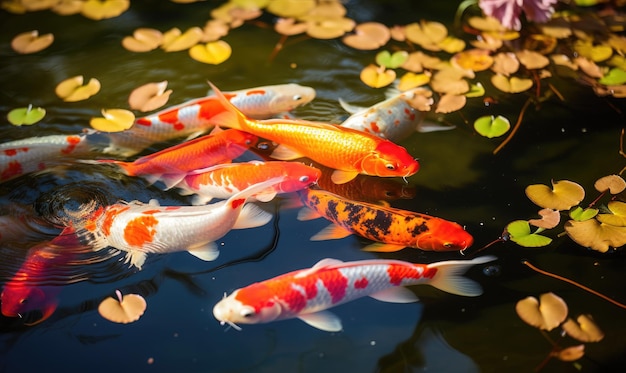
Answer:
(420, 228)
(379, 226)
(331, 210)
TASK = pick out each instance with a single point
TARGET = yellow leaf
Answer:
(595, 53)
(563, 195)
(532, 60)
(505, 63)
(617, 216)
(149, 96)
(512, 85)
(452, 45)
(546, 313)
(472, 59)
(114, 120)
(583, 329)
(31, 42)
(213, 53)
(613, 183)
(72, 89)
(595, 235)
(426, 34)
(102, 9)
(449, 103)
(411, 80)
(174, 40)
(290, 8)
(377, 77)
(143, 40)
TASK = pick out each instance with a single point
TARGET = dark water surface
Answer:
(460, 180)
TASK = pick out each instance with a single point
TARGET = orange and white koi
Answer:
(348, 151)
(173, 163)
(393, 229)
(192, 118)
(26, 291)
(307, 293)
(32, 154)
(224, 180)
(140, 229)
(393, 119)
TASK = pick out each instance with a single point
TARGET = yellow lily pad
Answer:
(68, 7)
(595, 235)
(103, 9)
(377, 76)
(143, 40)
(511, 85)
(72, 89)
(546, 313)
(325, 28)
(505, 63)
(149, 96)
(487, 42)
(213, 30)
(124, 309)
(290, 8)
(213, 53)
(596, 53)
(472, 59)
(617, 217)
(31, 42)
(449, 103)
(532, 60)
(563, 195)
(411, 80)
(113, 120)
(368, 36)
(583, 329)
(426, 34)
(289, 26)
(175, 40)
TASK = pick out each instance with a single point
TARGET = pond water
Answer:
(460, 179)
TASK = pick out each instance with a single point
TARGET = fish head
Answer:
(445, 236)
(389, 160)
(17, 300)
(289, 96)
(233, 310)
(298, 176)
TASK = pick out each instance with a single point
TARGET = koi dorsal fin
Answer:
(319, 265)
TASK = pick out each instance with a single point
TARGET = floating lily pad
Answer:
(473, 59)
(519, 232)
(596, 53)
(490, 126)
(595, 235)
(289, 26)
(583, 329)
(511, 85)
(617, 217)
(449, 103)
(563, 195)
(72, 89)
(546, 313)
(411, 80)
(368, 36)
(149, 96)
(570, 353)
(549, 219)
(143, 40)
(580, 214)
(114, 120)
(426, 34)
(613, 183)
(175, 40)
(290, 8)
(377, 76)
(452, 45)
(505, 63)
(532, 60)
(391, 61)
(103, 9)
(213, 53)
(124, 309)
(616, 76)
(476, 90)
(31, 42)
(26, 115)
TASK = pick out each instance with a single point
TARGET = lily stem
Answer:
(515, 128)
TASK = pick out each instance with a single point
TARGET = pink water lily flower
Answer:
(508, 12)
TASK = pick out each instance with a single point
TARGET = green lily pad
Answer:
(580, 214)
(490, 126)
(519, 232)
(26, 115)
(616, 76)
(476, 90)
(392, 61)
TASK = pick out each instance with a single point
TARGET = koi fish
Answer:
(393, 119)
(393, 229)
(140, 229)
(24, 156)
(24, 292)
(224, 180)
(173, 163)
(307, 293)
(192, 118)
(348, 151)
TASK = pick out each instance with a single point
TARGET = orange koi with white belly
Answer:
(192, 118)
(140, 229)
(306, 294)
(26, 291)
(224, 180)
(173, 163)
(32, 154)
(350, 152)
(393, 229)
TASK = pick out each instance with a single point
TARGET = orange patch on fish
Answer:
(14, 169)
(140, 230)
(255, 92)
(110, 217)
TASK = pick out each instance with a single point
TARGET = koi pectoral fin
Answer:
(208, 252)
(45, 313)
(284, 153)
(342, 177)
(306, 214)
(395, 295)
(332, 232)
(252, 216)
(380, 247)
(323, 320)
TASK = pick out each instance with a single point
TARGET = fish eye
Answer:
(23, 300)
(389, 166)
(297, 97)
(304, 179)
(448, 245)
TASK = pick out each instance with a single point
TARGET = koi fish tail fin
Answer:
(230, 117)
(448, 276)
(239, 198)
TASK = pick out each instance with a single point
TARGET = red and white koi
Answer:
(393, 119)
(224, 180)
(140, 229)
(307, 293)
(32, 154)
(192, 118)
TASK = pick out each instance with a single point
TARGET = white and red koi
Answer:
(140, 229)
(393, 119)
(307, 293)
(27, 290)
(24, 156)
(224, 180)
(192, 118)
(173, 163)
